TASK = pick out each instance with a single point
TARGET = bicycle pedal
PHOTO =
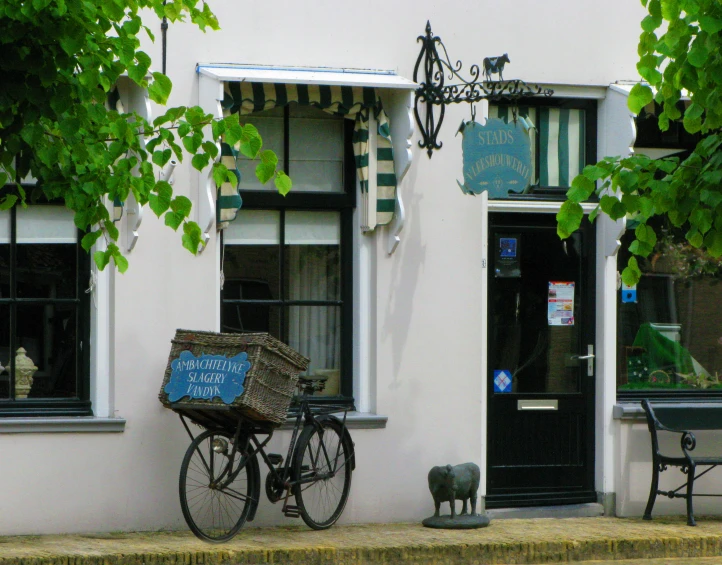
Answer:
(275, 458)
(291, 511)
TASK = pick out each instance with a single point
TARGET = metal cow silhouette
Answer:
(495, 65)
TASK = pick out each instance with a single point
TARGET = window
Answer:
(286, 262)
(670, 326)
(564, 142)
(44, 313)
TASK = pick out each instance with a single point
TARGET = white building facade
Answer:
(402, 295)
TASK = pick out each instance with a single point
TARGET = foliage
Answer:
(679, 51)
(58, 61)
(680, 259)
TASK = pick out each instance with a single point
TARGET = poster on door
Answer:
(560, 305)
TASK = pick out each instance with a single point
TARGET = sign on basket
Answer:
(207, 377)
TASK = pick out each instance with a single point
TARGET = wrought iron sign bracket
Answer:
(429, 74)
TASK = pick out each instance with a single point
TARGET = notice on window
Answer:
(560, 310)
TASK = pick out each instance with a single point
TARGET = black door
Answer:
(540, 444)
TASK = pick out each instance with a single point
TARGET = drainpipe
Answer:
(163, 33)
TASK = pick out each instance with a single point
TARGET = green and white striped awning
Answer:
(353, 102)
(561, 139)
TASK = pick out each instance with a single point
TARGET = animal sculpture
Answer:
(449, 484)
(495, 65)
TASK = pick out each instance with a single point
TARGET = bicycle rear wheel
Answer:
(215, 497)
(322, 468)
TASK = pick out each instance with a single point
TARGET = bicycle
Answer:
(220, 482)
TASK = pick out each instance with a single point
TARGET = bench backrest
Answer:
(685, 417)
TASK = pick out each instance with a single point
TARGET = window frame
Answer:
(342, 202)
(80, 405)
(590, 107)
(692, 395)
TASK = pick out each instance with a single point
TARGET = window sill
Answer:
(354, 421)
(40, 425)
(633, 411)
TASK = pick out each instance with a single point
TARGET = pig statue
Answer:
(460, 482)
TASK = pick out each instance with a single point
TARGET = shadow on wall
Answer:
(636, 475)
(404, 276)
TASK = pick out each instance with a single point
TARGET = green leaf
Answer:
(631, 273)
(120, 262)
(701, 218)
(631, 202)
(181, 205)
(612, 207)
(640, 248)
(693, 118)
(569, 218)
(173, 219)
(698, 54)
(582, 188)
(220, 173)
(711, 198)
(639, 97)
(646, 234)
(193, 142)
(655, 8)
(713, 243)
(283, 183)
(250, 141)
(647, 68)
(628, 180)
(111, 230)
(101, 258)
(710, 24)
(8, 201)
(596, 172)
(160, 158)
(89, 239)
(670, 9)
(650, 23)
(265, 171)
(159, 89)
(192, 239)
(160, 201)
(646, 207)
(200, 161)
(210, 148)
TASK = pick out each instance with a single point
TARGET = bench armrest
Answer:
(688, 442)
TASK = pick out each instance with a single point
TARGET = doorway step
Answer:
(589, 510)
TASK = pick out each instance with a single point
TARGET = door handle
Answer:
(589, 358)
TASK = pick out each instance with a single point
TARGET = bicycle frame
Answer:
(282, 474)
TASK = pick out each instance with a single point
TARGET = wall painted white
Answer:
(428, 302)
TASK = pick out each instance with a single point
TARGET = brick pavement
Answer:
(504, 541)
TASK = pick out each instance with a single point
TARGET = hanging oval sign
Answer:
(207, 377)
(497, 157)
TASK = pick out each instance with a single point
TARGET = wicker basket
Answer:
(270, 382)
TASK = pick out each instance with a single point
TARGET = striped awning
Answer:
(352, 102)
(561, 139)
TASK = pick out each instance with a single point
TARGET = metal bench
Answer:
(680, 419)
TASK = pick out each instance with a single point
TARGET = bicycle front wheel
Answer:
(216, 487)
(322, 472)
